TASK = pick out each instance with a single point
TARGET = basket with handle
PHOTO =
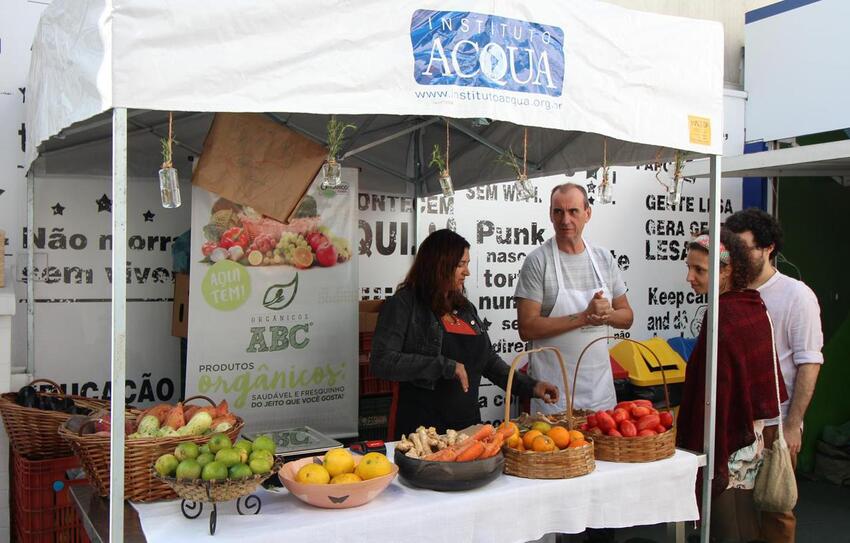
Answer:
(32, 431)
(634, 449)
(558, 464)
(139, 455)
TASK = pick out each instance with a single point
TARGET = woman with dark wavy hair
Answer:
(429, 338)
(746, 388)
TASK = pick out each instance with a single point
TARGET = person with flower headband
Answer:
(746, 391)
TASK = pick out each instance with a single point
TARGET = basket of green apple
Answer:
(218, 471)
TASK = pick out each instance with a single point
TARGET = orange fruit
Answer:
(574, 444)
(519, 446)
(560, 435)
(512, 426)
(575, 434)
(543, 444)
(529, 437)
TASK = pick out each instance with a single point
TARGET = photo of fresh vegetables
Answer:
(240, 234)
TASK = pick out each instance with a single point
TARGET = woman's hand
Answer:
(546, 392)
(460, 375)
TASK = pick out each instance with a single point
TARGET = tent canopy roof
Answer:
(575, 74)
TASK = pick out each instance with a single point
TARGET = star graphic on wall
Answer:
(485, 324)
(58, 209)
(104, 204)
(590, 199)
(591, 187)
(148, 216)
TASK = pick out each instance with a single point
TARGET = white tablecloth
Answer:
(510, 509)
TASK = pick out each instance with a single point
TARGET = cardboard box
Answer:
(369, 314)
(180, 308)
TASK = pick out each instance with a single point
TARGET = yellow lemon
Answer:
(344, 478)
(313, 474)
(373, 465)
(339, 461)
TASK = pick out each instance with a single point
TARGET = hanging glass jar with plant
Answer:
(169, 184)
(606, 190)
(524, 188)
(674, 189)
(331, 169)
(442, 166)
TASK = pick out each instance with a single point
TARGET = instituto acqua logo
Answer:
(480, 50)
(279, 296)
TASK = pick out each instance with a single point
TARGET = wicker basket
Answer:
(636, 449)
(33, 432)
(215, 491)
(139, 455)
(562, 464)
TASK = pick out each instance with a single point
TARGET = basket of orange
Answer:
(537, 448)
(634, 431)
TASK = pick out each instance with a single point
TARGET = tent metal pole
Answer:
(391, 137)
(119, 324)
(30, 274)
(711, 346)
(484, 141)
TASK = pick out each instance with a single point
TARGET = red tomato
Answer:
(234, 236)
(613, 433)
(606, 422)
(591, 421)
(639, 411)
(660, 429)
(666, 418)
(645, 403)
(627, 428)
(626, 405)
(620, 415)
(596, 431)
(584, 427)
(643, 433)
(647, 422)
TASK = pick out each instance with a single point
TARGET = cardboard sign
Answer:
(251, 160)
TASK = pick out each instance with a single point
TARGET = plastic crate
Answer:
(374, 417)
(369, 384)
(43, 510)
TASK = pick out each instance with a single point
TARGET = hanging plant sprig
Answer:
(606, 189)
(442, 165)
(169, 184)
(524, 188)
(331, 170)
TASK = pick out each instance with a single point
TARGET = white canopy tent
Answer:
(574, 73)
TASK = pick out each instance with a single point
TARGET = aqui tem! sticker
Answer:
(226, 285)
(699, 129)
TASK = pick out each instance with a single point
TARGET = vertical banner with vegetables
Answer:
(273, 310)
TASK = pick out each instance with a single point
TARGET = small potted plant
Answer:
(440, 163)
(524, 188)
(331, 170)
(169, 186)
(606, 191)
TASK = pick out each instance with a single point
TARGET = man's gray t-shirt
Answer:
(538, 282)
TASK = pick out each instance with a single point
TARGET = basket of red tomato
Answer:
(634, 431)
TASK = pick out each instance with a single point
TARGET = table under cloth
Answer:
(510, 509)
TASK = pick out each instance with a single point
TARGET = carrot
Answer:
(472, 452)
(484, 431)
(189, 412)
(445, 455)
(222, 409)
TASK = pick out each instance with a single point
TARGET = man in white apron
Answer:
(570, 293)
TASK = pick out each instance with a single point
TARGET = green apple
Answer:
(189, 469)
(205, 458)
(243, 444)
(265, 455)
(166, 465)
(240, 471)
(228, 457)
(204, 448)
(264, 443)
(214, 471)
(261, 465)
(218, 442)
(185, 451)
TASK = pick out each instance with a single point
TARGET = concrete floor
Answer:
(823, 516)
